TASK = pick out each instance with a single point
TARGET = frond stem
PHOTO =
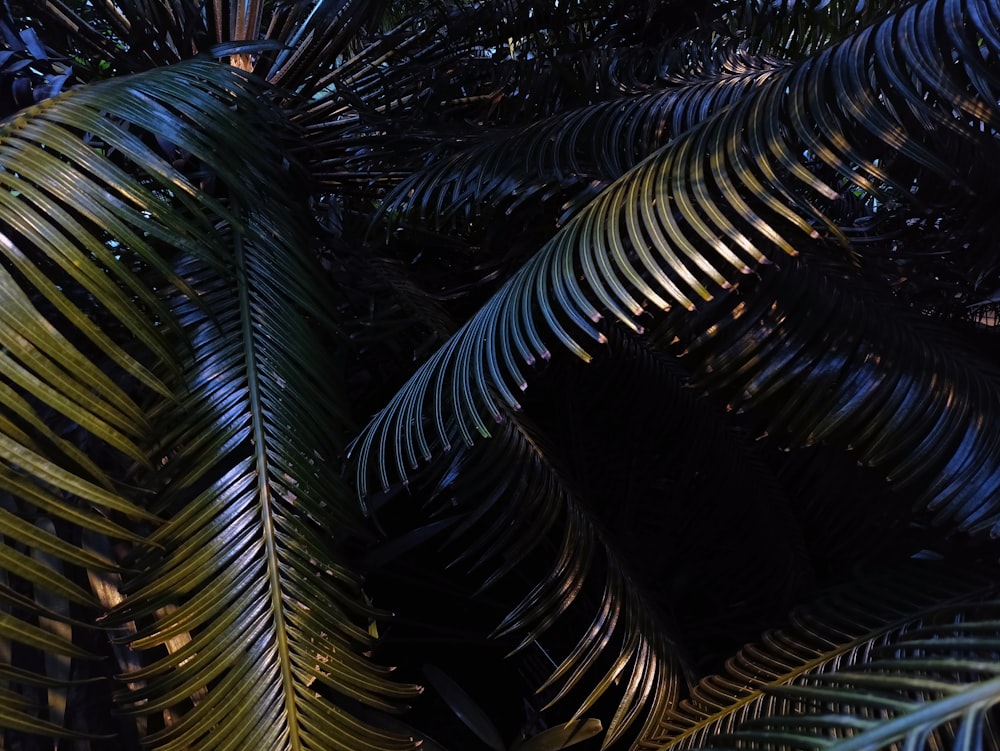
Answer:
(264, 495)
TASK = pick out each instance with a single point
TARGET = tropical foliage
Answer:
(499, 375)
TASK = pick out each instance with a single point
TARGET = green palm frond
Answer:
(692, 220)
(81, 235)
(833, 635)
(257, 512)
(191, 302)
(933, 684)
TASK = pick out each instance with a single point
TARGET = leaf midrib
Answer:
(264, 494)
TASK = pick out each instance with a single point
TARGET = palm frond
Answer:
(598, 543)
(508, 516)
(257, 516)
(798, 29)
(31, 72)
(135, 35)
(934, 683)
(697, 216)
(574, 152)
(214, 295)
(78, 225)
(446, 77)
(921, 427)
(839, 632)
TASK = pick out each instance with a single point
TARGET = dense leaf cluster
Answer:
(499, 375)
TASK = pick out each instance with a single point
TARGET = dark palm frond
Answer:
(366, 88)
(29, 72)
(125, 36)
(694, 218)
(368, 129)
(553, 45)
(942, 262)
(839, 632)
(508, 64)
(984, 314)
(445, 74)
(313, 36)
(131, 35)
(571, 155)
(933, 684)
(529, 60)
(800, 27)
(508, 517)
(921, 427)
(624, 516)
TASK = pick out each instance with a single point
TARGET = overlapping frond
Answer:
(836, 634)
(140, 34)
(732, 194)
(447, 76)
(164, 342)
(85, 235)
(931, 684)
(204, 306)
(507, 517)
(924, 426)
(248, 565)
(576, 151)
(798, 28)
